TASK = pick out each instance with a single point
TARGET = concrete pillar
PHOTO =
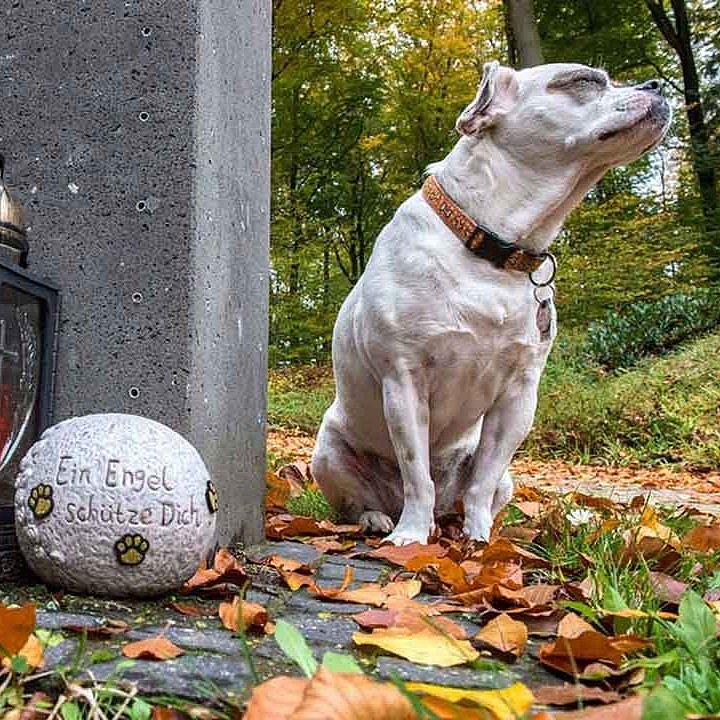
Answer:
(137, 135)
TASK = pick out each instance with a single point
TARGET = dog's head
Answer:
(566, 113)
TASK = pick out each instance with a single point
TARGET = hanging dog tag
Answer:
(544, 318)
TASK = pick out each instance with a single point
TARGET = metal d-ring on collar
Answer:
(547, 283)
(546, 256)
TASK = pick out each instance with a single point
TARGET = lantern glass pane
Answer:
(20, 363)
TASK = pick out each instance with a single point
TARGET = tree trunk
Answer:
(294, 280)
(523, 37)
(326, 271)
(679, 36)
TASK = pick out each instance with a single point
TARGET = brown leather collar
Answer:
(477, 239)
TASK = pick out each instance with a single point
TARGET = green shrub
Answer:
(622, 338)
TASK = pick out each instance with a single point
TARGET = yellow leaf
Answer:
(429, 647)
(32, 651)
(507, 704)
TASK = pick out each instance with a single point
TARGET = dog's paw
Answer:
(478, 526)
(374, 521)
(406, 535)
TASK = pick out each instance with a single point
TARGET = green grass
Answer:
(666, 410)
(682, 667)
(311, 503)
(298, 397)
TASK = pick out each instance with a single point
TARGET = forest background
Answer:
(366, 93)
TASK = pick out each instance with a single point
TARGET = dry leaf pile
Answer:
(534, 591)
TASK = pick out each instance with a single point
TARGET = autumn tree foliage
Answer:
(366, 95)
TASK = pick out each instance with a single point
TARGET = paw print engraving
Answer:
(131, 549)
(41, 501)
(211, 496)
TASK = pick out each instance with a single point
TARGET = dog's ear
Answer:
(495, 97)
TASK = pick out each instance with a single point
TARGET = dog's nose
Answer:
(651, 86)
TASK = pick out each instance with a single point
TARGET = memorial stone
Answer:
(114, 505)
(137, 136)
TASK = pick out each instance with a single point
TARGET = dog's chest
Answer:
(492, 340)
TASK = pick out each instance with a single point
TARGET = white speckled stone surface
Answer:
(114, 505)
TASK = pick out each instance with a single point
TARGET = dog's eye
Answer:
(579, 82)
(594, 82)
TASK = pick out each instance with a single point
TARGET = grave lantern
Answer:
(28, 332)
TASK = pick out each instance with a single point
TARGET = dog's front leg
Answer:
(505, 426)
(405, 405)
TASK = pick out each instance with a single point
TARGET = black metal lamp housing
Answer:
(29, 316)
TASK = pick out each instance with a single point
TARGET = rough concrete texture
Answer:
(114, 505)
(137, 135)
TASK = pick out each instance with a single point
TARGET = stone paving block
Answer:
(189, 676)
(463, 677)
(302, 602)
(60, 655)
(335, 630)
(285, 548)
(196, 639)
(364, 571)
(54, 620)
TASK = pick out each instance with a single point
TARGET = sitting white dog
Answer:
(439, 348)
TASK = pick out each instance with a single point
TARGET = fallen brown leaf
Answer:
(294, 573)
(502, 549)
(154, 648)
(16, 625)
(667, 588)
(628, 709)
(226, 570)
(286, 564)
(440, 574)
(168, 713)
(109, 629)
(504, 634)
(242, 615)
(276, 699)
(368, 593)
(331, 544)
(705, 538)
(328, 696)
(577, 656)
(567, 694)
(572, 626)
(278, 491)
(411, 616)
(403, 554)
(529, 508)
(297, 474)
(192, 610)
(230, 569)
(280, 527)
